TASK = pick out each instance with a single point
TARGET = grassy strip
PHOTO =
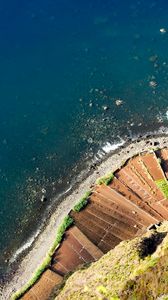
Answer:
(67, 222)
(46, 262)
(163, 186)
(105, 179)
(82, 202)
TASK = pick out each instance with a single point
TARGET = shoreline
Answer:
(111, 162)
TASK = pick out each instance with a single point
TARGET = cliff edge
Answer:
(135, 269)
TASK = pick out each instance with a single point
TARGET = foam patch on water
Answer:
(100, 153)
(111, 147)
(68, 189)
(107, 148)
(25, 246)
(31, 240)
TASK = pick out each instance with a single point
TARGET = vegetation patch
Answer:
(67, 222)
(105, 179)
(82, 202)
(47, 261)
(163, 186)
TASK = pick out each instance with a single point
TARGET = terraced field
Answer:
(136, 198)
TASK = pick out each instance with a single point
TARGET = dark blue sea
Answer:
(63, 66)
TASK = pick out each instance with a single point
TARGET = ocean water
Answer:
(63, 65)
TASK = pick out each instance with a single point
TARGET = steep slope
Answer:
(136, 269)
(119, 207)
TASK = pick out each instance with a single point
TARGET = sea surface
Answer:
(63, 65)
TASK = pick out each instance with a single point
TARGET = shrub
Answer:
(105, 179)
(82, 202)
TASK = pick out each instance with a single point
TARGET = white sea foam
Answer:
(100, 153)
(108, 147)
(68, 190)
(32, 238)
(24, 247)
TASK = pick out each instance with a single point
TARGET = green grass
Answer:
(46, 262)
(68, 221)
(105, 179)
(163, 186)
(82, 202)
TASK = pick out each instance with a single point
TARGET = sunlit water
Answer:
(63, 65)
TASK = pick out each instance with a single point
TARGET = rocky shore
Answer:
(114, 161)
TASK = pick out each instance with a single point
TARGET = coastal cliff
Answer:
(119, 207)
(135, 269)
